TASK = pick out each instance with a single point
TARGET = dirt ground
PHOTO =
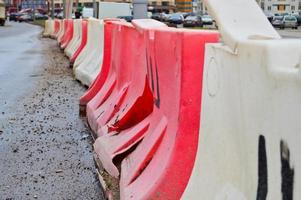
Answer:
(45, 147)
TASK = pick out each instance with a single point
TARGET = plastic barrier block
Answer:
(83, 41)
(57, 26)
(88, 63)
(69, 34)
(76, 39)
(240, 20)
(256, 93)
(62, 31)
(174, 77)
(249, 141)
(96, 86)
(49, 28)
(125, 93)
(176, 80)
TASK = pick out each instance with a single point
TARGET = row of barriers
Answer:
(178, 114)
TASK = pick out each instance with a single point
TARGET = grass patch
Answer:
(39, 22)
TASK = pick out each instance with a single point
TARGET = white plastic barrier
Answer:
(76, 39)
(249, 142)
(49, 28)
(88, 63)
(247, 22)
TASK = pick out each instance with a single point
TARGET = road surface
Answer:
(290, 33)
(45, 148)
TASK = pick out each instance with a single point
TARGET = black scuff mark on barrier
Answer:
(147, 64)
(152, 75)
(287, 172)
(157, 99)
(155, 87)
(262, 188)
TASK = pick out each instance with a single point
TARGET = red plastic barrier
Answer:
(56, 27)
(125, 93)
(68, 34)
(161, 164)
(102, 76)
(83, 41)
(65, 25)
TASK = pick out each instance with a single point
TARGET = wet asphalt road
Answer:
(45, 148)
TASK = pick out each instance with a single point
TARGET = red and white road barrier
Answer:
(249, 144)
(83, 41)
(186, 116)
(76, 38)
(57, 27)
(68, 34)
(151, 99)
(88, 63)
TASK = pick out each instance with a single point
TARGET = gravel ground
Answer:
(45, 148)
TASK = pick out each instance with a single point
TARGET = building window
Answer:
(292, 7)
(154, 3)
(281, 7)
(165, 3)
(269, 8)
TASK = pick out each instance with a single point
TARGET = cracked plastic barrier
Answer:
(88, 63)
(76, 39)
(174, 77)
(249, 144)
(159, 167)
(125, 90)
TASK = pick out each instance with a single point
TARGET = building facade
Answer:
(162, 5)
(270, 7)
(273, 7)
(34, 4)
(184, 5)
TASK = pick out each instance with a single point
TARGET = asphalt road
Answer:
(45, 148)
(290, 33)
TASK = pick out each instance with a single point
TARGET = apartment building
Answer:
(280, 6)
(154, 5)
(184, 5)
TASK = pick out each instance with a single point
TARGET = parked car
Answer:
(289, 21)
(164, 17)
(298, 19)
(270, 17)
(59, 15)
(40, 16)
(126, 18)
(25, 17)
(13, 16)
(207, 20)
(157, 16)
(193, 21)
(176, 18)
(277, 21)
